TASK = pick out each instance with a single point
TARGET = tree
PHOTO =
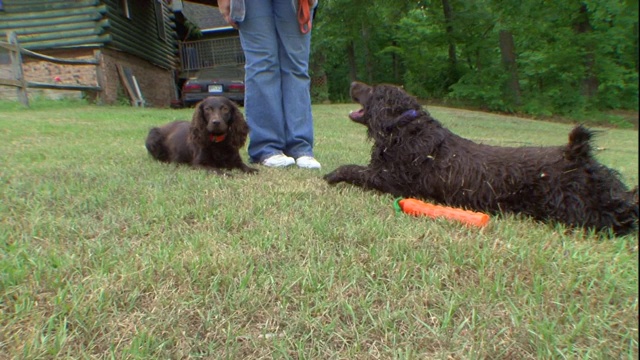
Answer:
(510, 55)
(507, 50)
(583, 27)
(448, 19)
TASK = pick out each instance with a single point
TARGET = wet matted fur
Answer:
(415, 156)
(211, 140)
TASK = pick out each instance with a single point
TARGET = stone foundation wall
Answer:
(156, 84)
(7, 92)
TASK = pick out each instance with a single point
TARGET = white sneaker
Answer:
(307, 162)
(279, 160)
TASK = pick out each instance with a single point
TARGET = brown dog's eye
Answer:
(224, 109)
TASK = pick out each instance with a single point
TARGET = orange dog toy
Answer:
(419, 208)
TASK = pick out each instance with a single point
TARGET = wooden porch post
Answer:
(16, 64)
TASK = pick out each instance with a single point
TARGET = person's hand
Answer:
(225, 10)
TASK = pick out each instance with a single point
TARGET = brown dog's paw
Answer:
(250, 170)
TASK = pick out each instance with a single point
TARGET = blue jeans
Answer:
(277, 95)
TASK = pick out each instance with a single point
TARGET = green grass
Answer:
(105, 253)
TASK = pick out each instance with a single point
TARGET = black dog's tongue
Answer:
(357, 114)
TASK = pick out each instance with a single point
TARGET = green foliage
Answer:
(193, 31)
(319, 93)
(424, 56)
(338, 84)
(618, 88)
(482, 89)
(559, 51)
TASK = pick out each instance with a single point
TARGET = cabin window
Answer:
(159, 7)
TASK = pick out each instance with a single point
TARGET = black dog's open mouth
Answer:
(360, 94)
(356, 115)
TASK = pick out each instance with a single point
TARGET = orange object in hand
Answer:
(420, 208)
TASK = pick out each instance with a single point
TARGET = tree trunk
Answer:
(395, 64)
(452, 74)
(351, 58)
(635, 43)
(448, 20)
(368, 58)
(507, 50)
(583, 27)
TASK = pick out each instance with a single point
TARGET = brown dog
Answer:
(211, 140)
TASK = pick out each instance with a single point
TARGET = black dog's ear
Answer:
(238, 127)
(389, 107)
(198, 124)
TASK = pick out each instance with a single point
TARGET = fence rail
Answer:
(18, 81)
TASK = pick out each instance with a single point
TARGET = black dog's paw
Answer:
(348, 173)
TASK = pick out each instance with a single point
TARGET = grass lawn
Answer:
(105, 253)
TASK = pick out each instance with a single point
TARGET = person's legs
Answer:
(294, 48)
(263, 96)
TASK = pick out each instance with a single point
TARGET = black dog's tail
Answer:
(634, 194)
(155, 145)
(626, 213)
(579, 147)
(633, 198)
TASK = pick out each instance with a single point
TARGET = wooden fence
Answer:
(18, 81)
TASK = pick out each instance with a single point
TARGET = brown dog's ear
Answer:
(198, 131)
(238, 127)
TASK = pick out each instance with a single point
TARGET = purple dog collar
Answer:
(404, 119)
(410, 114)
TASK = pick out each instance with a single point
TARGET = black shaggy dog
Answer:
(211, 140)
(415, 156)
